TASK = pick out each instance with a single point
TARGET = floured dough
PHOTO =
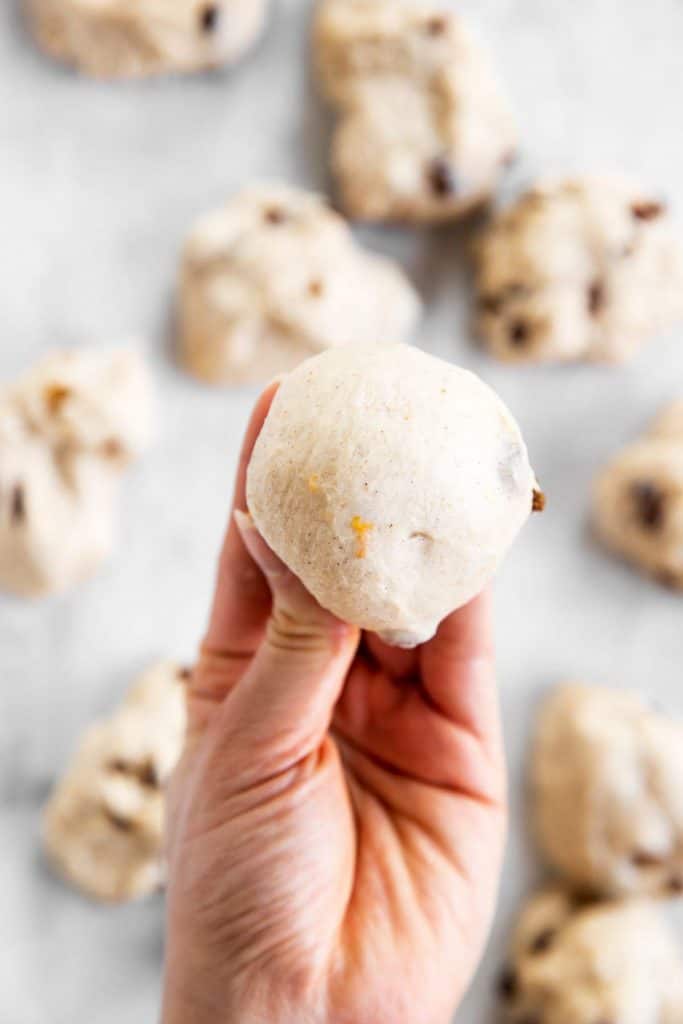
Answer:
(104, 825)
(425, 132)
(134, 38)
(638, 506)
(68, 429)
(585, 268)
(391, 483)
(276, 276)
(608, 792)
(609, 963)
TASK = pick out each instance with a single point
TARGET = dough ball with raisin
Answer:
(579, 269)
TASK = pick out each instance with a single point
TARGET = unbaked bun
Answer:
(392, 484)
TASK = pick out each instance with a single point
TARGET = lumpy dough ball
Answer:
(607, 779)
(585, 268)
(392, 484)
(591, 963)
(141, 38)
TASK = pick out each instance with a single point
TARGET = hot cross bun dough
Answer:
(580, 269)
(276, 276)
(607, 782)
(638, 504)
(600, 963)
(392, 484)
(68, 429)
(424, 130)
(137, 38)
(104, 825)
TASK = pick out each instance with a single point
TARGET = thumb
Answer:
(281, 709)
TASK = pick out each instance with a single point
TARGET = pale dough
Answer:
(601, 963)
(68, 429)
(276, 276)
(638, 503)
(425, 132)
(392, 484)
(579, 269)
(135, 38)
(607, 776)
(104, 825)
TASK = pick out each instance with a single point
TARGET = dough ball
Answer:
(104, 825)
(608, 792)
(638, 504)
(68, 429)
(138, 38)
(581, 269)
(425, 132)
(609, 963)
(276, 276)
(392, 484)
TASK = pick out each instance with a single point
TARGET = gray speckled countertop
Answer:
(98, 184)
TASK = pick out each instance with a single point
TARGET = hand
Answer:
(337, 821)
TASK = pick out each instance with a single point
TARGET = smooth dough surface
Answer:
(274, 277)
(104, 825)
(600, 963)
(424, 130)
(586, 268)
(391, 483)
(607, 776)
(136, 38)
(638, 501)
(68, 429)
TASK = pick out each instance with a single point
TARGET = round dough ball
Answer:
(392, 484)
(141, 38)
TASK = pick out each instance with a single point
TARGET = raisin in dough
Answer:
(638, 506)
(581, 269)
(104, 826)
(276, 276)
(424, 132)
(600, 963)
(607, 775)
(68, 429)
(391, 483)
(135, 38)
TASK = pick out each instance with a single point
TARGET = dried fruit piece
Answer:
(650, 505)
(647, 209)
(491, 304)
(508, 984)
(441, 177)
(437, 25)
(209, 17)
(543, 941)
(596, 297)
(55, 396)
(18, 504)
(538, 501)
(519, 333)
(274, 215)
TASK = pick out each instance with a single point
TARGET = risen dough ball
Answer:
(391, 483)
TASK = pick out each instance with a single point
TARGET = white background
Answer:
(98, 184)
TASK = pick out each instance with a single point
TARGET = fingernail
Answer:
(244, 521)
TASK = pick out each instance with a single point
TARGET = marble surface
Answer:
(98, 184)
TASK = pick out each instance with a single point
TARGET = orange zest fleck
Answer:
(361, 529)
(314, 483)
(55, 396)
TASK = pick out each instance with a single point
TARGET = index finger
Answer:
(242, 600)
